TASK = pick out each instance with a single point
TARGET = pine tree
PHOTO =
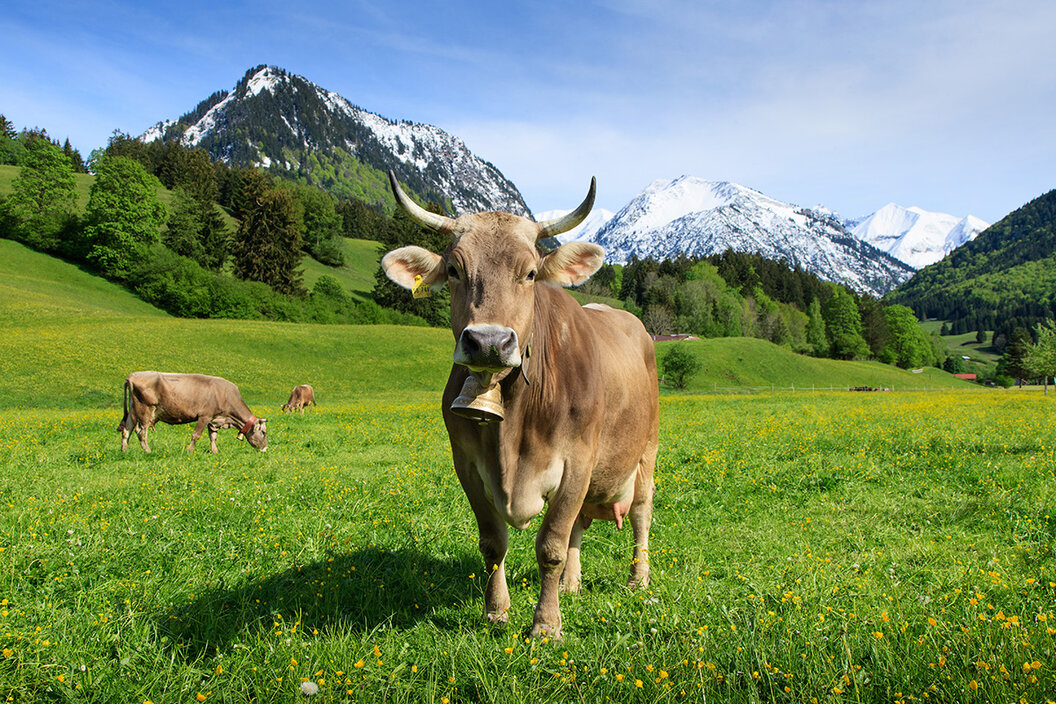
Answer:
(267, 247)
(11, 148)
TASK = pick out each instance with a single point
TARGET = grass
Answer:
(745, 363)
(820, 547)
(849, 548)
(362, 258)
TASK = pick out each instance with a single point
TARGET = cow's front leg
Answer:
(493, 543)
(199, 428)
(212, 440)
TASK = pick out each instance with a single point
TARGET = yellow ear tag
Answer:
(420, 289)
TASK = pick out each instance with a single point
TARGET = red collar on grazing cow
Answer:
(248, 425)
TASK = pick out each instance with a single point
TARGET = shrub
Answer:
(678, 364)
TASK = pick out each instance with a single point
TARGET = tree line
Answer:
(230, 245)
(742, 294)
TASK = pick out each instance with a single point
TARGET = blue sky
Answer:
(949, 106)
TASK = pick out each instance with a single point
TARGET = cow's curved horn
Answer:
(549, 228)
(420, 215)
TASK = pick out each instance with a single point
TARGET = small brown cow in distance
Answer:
(301, 397)
(209, 401)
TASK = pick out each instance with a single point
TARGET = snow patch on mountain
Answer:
(915, 236)
(695, 217)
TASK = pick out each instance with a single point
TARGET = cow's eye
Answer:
(531, 275)
(452, 271)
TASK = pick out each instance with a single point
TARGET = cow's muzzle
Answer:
(488, 348)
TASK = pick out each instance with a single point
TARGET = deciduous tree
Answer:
(123, 215)
(678, 364)
(843, 324)
(1040, 356)
(43, 195)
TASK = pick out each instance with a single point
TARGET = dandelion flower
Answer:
(309, 688)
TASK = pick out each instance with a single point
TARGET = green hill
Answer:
(71, 338)
(747, 363)
(362, 258)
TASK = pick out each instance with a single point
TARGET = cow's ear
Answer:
(571, 264)
(404, 264)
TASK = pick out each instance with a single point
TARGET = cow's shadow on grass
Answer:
(353, 592)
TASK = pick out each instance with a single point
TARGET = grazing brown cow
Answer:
(210, 401)
(300, 397)
(548, 402)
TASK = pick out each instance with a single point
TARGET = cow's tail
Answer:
(124, 405)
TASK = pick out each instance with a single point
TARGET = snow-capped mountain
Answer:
(584, 230)
(915, 236)
(695, 217)
(286, 123)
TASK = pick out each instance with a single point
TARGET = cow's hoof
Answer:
(499, 617)
(571, 586)
(638, 581)
(542, 630)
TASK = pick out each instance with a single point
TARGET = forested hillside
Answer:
(1003, 280)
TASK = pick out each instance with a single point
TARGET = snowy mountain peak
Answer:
(913, 235)
(284, 122)
(696, 217)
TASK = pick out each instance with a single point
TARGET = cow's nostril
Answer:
(508, 345)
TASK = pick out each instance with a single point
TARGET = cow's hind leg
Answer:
(125, 429)
(641, 517)
(572, 576)
(199, 428)
(141, 431)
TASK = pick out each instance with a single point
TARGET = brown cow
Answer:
(176, 399)
(300, 397)
(548, 402)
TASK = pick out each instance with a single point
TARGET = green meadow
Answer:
(808, 545)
